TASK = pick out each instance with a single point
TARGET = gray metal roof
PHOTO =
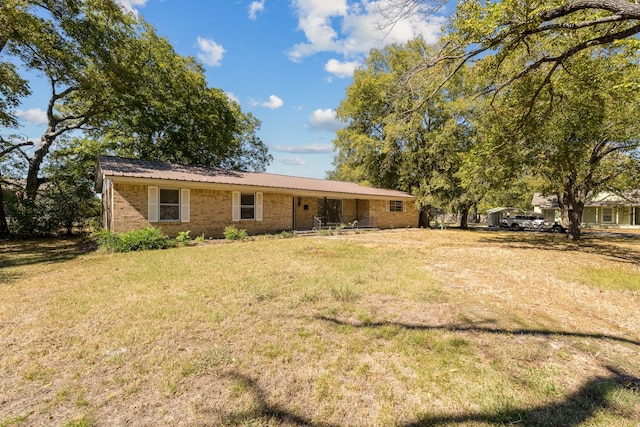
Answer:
(112, 167)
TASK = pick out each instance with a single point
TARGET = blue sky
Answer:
(288, 62)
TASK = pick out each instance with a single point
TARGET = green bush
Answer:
(183, 238)
(136, 240)
(233, 233)
(108, 240)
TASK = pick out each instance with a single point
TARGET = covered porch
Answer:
(321, 213)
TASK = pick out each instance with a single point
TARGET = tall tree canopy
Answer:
(110, 75)
(580, 135)
(399, 137)
(559, 82)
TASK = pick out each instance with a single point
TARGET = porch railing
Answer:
(365, 222)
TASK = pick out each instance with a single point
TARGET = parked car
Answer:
(557, 228)
(520, 222)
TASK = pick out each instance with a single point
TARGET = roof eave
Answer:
(244, 187)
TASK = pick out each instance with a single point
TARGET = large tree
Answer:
(399, 137)
(108, 72)
(174, 116)
(544, 69)
(579, 135)
(112, 77)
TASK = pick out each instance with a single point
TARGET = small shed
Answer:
(495, 215)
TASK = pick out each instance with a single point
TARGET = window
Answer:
(607, 214)
(247, 206)
(396, 206)
(330, 210)
(169, 205)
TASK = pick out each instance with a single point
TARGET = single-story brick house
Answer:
(203, 200)
(606, 209)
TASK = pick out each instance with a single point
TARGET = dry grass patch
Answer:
(406, 328)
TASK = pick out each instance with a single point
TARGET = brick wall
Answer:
(304, 218)
(210, 212)
(129, 207)
(384, 219)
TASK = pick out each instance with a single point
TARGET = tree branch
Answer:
(14, 147)
(618, 7)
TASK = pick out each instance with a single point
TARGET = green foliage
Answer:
(577, 136)
(183, 238)
(27, 218)
(136, 240)
(57, 209)
(113, 77)
(233, 233)
(403, 133)
(176, 117)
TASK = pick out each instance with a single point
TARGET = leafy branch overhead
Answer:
(502, 29)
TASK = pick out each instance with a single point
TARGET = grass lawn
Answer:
(397, 328)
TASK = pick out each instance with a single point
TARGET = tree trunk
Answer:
(35, 163)
(564, 210)
(424, 219)
(4, 227)
(464, 217)
(573, 202)
(575, 217)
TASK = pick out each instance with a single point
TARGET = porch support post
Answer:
(597, 219)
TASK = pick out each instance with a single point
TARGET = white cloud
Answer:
(352, 30)
(34, 116)
(274, 102)
(305, 149)
(211, 52)
(255, 8)
(293, 161)
(131, 5)
(324, 120)
(232, 97)
(341, 69)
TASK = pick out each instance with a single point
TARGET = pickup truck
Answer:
(520, 222)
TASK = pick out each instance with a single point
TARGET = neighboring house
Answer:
(137, 194)
(602, 210)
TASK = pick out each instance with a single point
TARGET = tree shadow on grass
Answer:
(594, 396)
(577, 408)
(572, 411)
(476, 328)
(21, 253)
(592, 244)
(262, 412)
